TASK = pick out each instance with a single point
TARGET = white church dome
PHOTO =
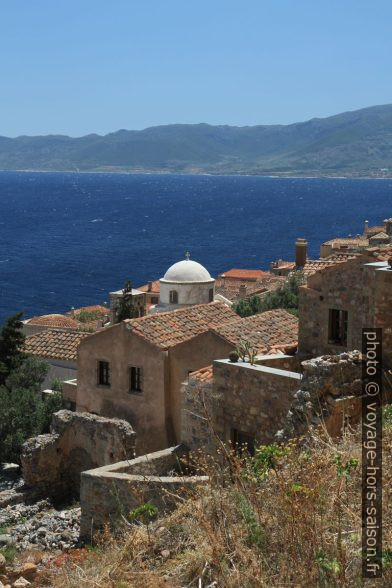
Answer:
(187, 271)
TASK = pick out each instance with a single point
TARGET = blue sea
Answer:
(67, 239)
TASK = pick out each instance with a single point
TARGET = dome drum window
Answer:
(173, 297)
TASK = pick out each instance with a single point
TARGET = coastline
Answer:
(195, 174)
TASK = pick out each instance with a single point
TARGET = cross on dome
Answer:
(187, 255)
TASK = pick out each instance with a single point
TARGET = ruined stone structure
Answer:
(51, 464)
(337, 302)
(109, 493)
(330, 395)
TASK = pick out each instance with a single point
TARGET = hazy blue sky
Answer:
(82, 66)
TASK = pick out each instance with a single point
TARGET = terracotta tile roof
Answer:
(55, 344)
(283, 264)
(203, 375)
(167, 329)
(230, 289)
(353, 241)
(155, 287)
(54, 320)
(374, 230)
(103, 310)
(244, 274)
(381, 235)
(265, 331)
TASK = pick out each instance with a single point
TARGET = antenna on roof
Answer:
(187, 255)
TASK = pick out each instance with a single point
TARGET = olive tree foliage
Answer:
(23, 411)
(285, 296)
(126, 308)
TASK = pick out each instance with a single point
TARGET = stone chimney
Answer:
(388, 227)
(149, 286)
(366, 227)
(242, 291)
(301, 246)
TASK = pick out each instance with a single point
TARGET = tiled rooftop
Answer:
(353, 241)
(98, 308)
(271, 330)
(203, 375)
(55, 344)
(155, 287)
(230, 288)
(167, 329)
(54, 320)
(244, 274)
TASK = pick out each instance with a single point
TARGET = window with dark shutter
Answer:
(135, 379)
(103, 373)
(338, 324)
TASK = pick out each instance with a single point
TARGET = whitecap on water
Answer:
(97, 220)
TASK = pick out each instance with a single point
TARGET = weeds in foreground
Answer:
(290, 516)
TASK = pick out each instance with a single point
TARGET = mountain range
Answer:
(357, 143)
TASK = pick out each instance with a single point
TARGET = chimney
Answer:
(149, 287)
(242, 291)
(366, 227)
(300, 252)
(388, 227)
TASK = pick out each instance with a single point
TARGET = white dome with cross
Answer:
(185, 283)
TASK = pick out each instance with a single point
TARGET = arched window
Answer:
(211, 295)
(173, 297)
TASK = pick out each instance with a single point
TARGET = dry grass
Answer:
(289, 518)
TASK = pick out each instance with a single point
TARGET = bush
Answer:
(285, 296)
(86, 316)
(24, 413)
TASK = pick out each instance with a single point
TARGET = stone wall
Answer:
(51, 464)
(330, 395)
(251, 399)
(255, 398)
(201, 410)
(109, 493)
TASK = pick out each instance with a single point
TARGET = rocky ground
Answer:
(31, 532)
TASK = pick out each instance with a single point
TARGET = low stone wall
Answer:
(51, 464)
(108, 494)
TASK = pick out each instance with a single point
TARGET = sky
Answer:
(95, 66)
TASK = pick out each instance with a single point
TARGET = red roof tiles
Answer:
(244, 274)
(265, 331)
(167, 329)
(203, 375)
(153, 287)
(55, 344)
(54, 320)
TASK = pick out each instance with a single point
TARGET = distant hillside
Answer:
(355, 143)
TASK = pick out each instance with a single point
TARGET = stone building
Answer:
(134, 370)
(338, 301)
